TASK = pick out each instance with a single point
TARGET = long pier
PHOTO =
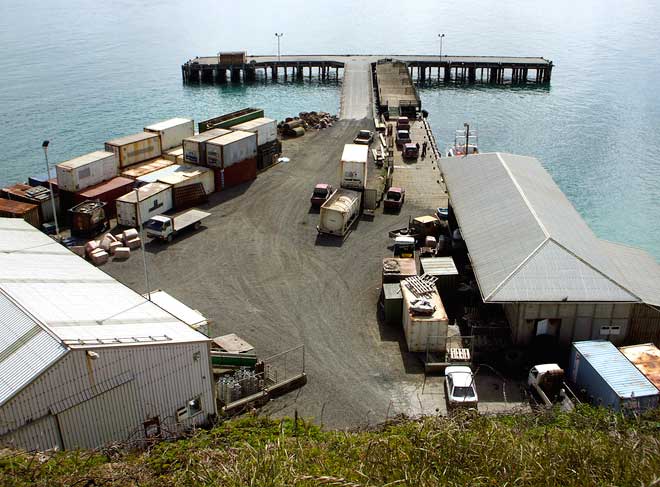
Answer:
(457, 69)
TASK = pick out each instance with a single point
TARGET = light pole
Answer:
(50, 186)
(138, 220)
(278, 44)
(441, 36)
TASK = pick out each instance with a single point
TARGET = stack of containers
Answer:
(81, 173)
(194, 148)
(35, 195)
(268, 146)
(143, 168)
(233, 158)
(106, 192)
(172, 132)
(19, 209)
(154, 199)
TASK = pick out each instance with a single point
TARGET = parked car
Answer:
(320, 194)
(394, 198)
(460, 387)
(402, 137)
(410, 151)
(364, 137)
(403, 123)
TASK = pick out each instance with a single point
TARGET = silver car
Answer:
(460, 387)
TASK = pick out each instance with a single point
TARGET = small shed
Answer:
(444, 269)
(393, 303)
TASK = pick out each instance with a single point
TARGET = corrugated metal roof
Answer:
(638, 268)
(106, 186)
(26, 348)
(76, 301)
(177, 171)
(189, 316)
(526, 240)
(621, 375)
(646, 358)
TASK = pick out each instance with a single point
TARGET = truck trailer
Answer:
(339, 212)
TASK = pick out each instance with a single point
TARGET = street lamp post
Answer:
(50, 186)
(138, 221)
(278, 44)
(441, 36)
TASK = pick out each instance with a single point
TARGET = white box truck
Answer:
(85, 171)
(339, 212)
(172, 131)
(353, 166)
(154, 199)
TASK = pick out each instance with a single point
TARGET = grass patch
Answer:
(587, 447)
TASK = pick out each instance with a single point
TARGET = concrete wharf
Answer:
(458, 69)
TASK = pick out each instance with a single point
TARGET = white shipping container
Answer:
(174, 155)
(194, 148)
(339, 212)
(155, 199)
(265, 128)
(135, 148)
(353, 166)
(424, 332)
(172, 131)
(187, 175)
(234, 147)
(88, 170)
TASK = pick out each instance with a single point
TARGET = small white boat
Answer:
(466, 142)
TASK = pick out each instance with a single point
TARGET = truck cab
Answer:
(404, 247)
(159, 226)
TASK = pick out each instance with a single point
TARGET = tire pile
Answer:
(296, 126)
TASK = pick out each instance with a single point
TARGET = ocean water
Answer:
(79, 72)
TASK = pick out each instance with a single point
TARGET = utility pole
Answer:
(44, 145)
(138, 221)
(278, 44)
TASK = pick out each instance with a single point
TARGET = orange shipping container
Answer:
(18, 209)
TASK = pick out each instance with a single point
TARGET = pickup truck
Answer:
(402, 138)
(364, 137)
(394, 198)
(166, 227)
(410, 151)
(320, 194)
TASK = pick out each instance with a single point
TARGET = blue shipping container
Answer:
(609, 378)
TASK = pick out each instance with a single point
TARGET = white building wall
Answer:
(579, 321)
(138, 382)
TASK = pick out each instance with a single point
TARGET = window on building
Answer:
(610, 330)
(548, 327)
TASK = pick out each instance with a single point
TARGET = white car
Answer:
(460, 387)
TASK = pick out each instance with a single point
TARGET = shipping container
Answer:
(392, 303)
(230, 119)
(424, 333)
(144, 168)
(39, 180)
(172, 131)
(339, 212)
(88, 170)
(232, 148)
(267, 154)
(265, 128)
(646, 357)
(194, 148)
(19, 209)
(154, 198)
(88, 219)
(353, 166)
(236, 174)
(135, 148)
(442, 268)
(107, 193)
(35, 195)
(180, 176)
(607, 378)
(396, 269)
(175, 155)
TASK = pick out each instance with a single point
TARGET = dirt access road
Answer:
(258, 269)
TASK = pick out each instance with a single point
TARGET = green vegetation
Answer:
(583, 448)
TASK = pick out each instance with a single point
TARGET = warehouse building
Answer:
(531, 251)
(84, 360)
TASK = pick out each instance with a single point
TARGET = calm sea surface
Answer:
(80, 72)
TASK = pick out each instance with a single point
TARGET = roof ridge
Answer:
(522, 195)
(518, 267)
(588, 264)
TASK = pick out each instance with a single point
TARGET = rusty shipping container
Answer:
(135, 148)
(235, 174)
(107, 193)
(88, 218)
(37, 195)
(232, 57)
(194, 148)
(646, 357)
(147, 167)
(19, 209)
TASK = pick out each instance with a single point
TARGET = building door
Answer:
(41, 434)
(110, 416)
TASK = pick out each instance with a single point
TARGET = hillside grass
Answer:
(582, 448)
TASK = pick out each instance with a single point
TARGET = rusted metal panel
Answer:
(18, 209)
(646, 358)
